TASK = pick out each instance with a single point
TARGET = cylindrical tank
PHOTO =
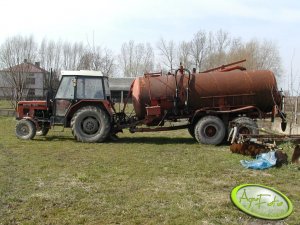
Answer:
(214, 90)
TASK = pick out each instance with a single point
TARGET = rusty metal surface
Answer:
(146, 129)
(213, 90)
(248, 148)
(235, 88)
(27, 108)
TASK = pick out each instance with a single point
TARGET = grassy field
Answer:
(158, 178)
(5, 104)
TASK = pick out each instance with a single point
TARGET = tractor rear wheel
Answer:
(210, 130)
(90, 124)
(25, 129)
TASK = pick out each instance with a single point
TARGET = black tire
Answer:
(210, 130)
(246, 125)
(90, 124)
(42, 132)
(191, 130)
(25, 129)
(112, 137)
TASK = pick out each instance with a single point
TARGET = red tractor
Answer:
(82, 102)
(204, 103)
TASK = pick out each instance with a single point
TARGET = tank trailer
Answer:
(205, 103)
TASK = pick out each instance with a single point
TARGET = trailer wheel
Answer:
(25, 129)
(246, 125)
(42, 132)
(90, 124)
(210, 130)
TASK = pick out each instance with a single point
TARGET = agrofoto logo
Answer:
(261, 201)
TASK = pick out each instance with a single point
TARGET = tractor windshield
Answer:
(66, 88)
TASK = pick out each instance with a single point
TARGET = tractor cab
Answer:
(78, 86)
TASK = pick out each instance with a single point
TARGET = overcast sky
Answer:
(113, 22)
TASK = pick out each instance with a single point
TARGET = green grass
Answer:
(5, 104)
(145, 178)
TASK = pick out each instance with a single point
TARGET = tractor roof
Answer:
(82, 73)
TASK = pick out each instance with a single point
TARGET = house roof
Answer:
(26, 67)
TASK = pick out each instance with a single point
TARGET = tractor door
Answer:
(89, 88)
(64, 98)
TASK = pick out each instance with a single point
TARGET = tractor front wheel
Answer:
(90, 124)
(25, 129)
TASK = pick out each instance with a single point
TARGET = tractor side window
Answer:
(66, 88)
(89, 88)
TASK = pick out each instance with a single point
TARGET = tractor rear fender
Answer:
(103, 104)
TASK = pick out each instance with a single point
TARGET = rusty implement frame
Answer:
(269, 137)
(147, 129)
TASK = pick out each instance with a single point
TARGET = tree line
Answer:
(205, 50)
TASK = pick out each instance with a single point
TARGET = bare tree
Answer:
(71, 55)
(217, 49)
(97, 59)
(144, 58)
(222, 40)
(107, 65)
(292, 97)
(167, 51)
(136, 59)
(235, 51)
(199, 49)
(259, 55)
(15, 73)
(268, 57)
(184, 54)
(50, 54)
(86, 61)
(126, 58)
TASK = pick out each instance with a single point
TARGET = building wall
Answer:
(119, 88)
(37, 85)
(5, 88)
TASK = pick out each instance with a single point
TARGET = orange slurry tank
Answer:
(217, 91)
